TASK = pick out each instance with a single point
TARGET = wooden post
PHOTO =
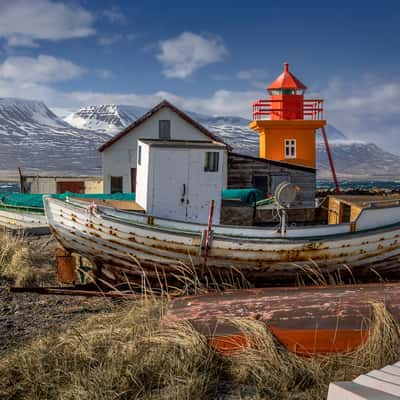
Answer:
(208, 235)
(330, 159)
(66, 266)
(21, 181)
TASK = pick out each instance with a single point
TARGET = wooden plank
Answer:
(384, 376)
(391, 369)
(354, 391)
(378, 384)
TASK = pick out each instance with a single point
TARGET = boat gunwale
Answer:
(308, 239)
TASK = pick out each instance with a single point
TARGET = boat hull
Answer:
(306, 320)
(25, 222)
(126, 245)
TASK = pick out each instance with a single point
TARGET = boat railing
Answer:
(384, 203)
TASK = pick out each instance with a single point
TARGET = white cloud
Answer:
(110, 39)
(186, 53)
(368, 109)
(38, 70)
(252, 74)
(116, 37)
(20, 41)
(114, 15)
(22, 22)
(255, 76)
(104, 73)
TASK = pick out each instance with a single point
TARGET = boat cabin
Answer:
(346, 208)
(178, 179)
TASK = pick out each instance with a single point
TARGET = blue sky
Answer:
(211, 56)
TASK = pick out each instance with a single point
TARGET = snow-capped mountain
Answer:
(33, 137)
(358, 160)
(352, 158)
(106, 118)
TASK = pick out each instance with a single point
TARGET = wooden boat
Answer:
(306, 320)
(125, 244)
(28, 220)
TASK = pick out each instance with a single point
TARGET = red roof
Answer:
(286, 80)
(149, 114)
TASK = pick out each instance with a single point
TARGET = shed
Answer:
(164, 122)
(254, 172)
(49, 184)
(178, 179)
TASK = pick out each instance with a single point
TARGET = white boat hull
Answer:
(31, 223)
(124, 244)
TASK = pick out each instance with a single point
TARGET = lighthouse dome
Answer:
(286, 83)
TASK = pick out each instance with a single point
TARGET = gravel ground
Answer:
(25, 316)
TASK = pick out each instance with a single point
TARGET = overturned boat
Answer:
(306, 320)
(126, 245)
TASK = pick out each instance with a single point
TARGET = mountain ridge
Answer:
(362, 159)
(35, 138)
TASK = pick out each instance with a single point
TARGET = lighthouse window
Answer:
(290, 148)
(211, 161)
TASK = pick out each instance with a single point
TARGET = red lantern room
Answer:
(286, 96)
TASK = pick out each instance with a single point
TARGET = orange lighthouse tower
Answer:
(287, 122)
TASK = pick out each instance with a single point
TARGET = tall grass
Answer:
(130, 355)
(15, 259)
(19, 257)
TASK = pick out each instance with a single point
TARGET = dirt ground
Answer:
(25, 316)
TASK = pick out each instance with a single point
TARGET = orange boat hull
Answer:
(307, 320)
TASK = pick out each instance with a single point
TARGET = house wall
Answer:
(242, 171)
(142, 177)
(122, 155)
(48, 185)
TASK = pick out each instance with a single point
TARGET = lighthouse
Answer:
(287, 122)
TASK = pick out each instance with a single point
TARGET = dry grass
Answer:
(19, 256)
(124, 355)
(15, 260)
(130, 355)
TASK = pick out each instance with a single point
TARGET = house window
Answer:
(116, 184)
(211, 161)
(290, 148)
(164, 129)
(139, 155)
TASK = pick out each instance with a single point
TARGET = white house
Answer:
(177, 179)
(119, 154)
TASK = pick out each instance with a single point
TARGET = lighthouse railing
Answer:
(312, 109)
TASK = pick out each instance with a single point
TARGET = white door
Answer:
(204, 187)
(170, 185)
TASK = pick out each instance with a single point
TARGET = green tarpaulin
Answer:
(36, 200)
(249, 196)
